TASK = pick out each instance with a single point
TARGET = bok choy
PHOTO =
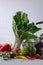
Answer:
(22, 29)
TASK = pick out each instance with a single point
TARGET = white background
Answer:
(34, 9)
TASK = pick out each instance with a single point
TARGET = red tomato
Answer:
(15, 49)
(5, 47)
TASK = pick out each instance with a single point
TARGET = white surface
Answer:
(21, 62)
(34, 9)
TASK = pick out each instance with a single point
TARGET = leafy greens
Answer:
(23, 30)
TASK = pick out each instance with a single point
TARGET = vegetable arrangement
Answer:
(25, 35)
(17, 53)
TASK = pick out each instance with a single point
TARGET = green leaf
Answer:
(21, 19)
(33, 28)
(25, 18)
(41, 36)
(26, 35)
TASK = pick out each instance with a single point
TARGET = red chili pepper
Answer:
(29, 57)
(36, 56)
(5, 47)
(32, 58)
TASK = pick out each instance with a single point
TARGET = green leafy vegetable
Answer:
(23, 52)
(23, 30)
(27, 51)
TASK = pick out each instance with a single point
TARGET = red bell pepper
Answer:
(5, 47)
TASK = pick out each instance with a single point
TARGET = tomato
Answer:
(15, 49)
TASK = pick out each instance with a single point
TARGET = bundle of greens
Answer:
(22, 29)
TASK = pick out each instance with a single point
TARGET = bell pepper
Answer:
(5, 47)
